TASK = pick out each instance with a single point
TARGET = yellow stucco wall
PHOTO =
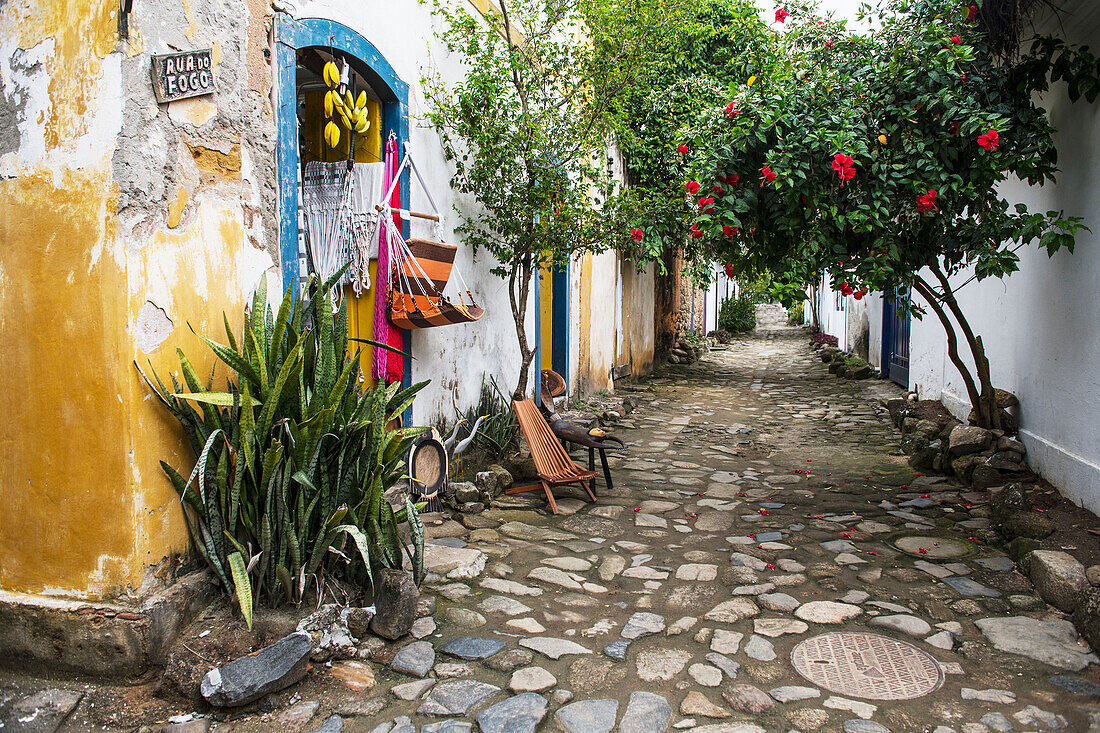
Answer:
(87, 507)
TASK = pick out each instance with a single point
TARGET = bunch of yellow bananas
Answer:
(351, 111)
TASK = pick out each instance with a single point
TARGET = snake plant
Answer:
(293, 459)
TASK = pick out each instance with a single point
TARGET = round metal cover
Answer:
(870, 666)
(930, 547)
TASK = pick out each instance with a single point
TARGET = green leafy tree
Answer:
(699, 49)
(878, 157)
(527, 129)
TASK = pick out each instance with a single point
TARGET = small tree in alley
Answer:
(878, 157)
(527, 130)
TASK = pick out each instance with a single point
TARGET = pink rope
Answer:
(382, 326)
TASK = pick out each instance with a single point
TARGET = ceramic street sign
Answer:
(182, 75)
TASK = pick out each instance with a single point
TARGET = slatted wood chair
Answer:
(552, 463)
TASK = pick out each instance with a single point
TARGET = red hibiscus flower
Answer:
(731, 111)
(682, 149)
(768, 174)
(636, 235)
(989, 140)
(695, 231)
(828, 43)
(718, 191)
(956, 40)
(842, 164)
(703, 203)
(730, 232)
(927, 202)
(781, 15)
(955, 127)
(972, 13)
(858, 295)
(692, 187)
(732, 179)
(730, 272)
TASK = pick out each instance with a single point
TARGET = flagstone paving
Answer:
(761, 503)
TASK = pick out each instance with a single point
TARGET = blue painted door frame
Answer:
(559, 354)
(290, 36)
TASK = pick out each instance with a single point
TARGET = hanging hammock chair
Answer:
(422, 270)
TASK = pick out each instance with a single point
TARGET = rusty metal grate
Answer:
(870, 666)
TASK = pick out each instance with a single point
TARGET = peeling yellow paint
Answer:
(196, 111)
(226, 165)
(192, 26)
(86, 506)
(83, 33)
(175, 209)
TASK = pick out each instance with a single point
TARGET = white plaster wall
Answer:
(452, 357)
(1040, 325)
(592, 341)
(833, 312)
(720, 289)
(639, 326)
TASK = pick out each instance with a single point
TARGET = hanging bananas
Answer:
(351, 111)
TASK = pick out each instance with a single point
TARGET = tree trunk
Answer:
(986, 404)
(666, 309)
(813, 308)
(518, 290)
(929, 296)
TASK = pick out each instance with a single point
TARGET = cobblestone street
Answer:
(762, 504)
(758, 507)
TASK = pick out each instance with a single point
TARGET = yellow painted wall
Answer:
(546, 318)
(87, 507)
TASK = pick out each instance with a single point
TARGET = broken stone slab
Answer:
(587, 716)
(469, 647)
(732, 611)
(1052, 641)
(414, 659)
(456, 698)
(794, 693)
(1058, 577)
(646, 712)
(643, 624)
(251, 677)
(519, 714)
(552, 647)
(41, 712)
(972, 588)
(748, 699)
(903, 622)
(457, 563)
(827, 612)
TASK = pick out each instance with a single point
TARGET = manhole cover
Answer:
(867, 665)
(933, 548)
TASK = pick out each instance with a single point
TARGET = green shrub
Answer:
(738, 315)
(498, 430)
(293, 459)
(795, 315)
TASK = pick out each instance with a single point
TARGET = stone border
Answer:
(99, 639)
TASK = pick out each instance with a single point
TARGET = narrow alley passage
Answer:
(767, 561)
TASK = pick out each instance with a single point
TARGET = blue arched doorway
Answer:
(290, 36)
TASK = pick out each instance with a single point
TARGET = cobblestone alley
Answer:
(767, 561)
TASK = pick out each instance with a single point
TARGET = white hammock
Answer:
(341, 220)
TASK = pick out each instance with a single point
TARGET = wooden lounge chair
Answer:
(552, 463)
(554, 386)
